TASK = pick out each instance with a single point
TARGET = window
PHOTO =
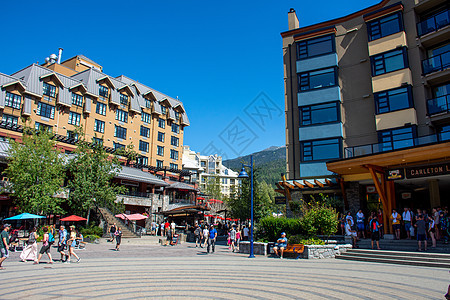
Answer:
(175, 128)
(45, 110)
(10, 119)
(385, 26)
(177, 115)
(148, 103)
(120, 132)
(145, 117)
(13, 100)
(174, 166)
(320, 150)
(142, 160)
(163, 109)
(224, 180)
(317, 79)
(99, 126)
(77, 99)
(101, 109)
(315, 47)
(49, 90)
(97, 141)
(389, 61)
(143, 146)
(173, 154)
(161, 137)
(121, 115)
(434, 21)
(103, 91)
(174, 141)
(203, 164)
(123, 99)
(74, 118)
(162, 123)
(160, 150)
(145, 131)
(319, 114)
(232, 181)
(72, 135)
(118, 146)
(392, 100)
(43, 127)
(398, 138)
(159, 163)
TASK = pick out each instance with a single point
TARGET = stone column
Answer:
(433, 186)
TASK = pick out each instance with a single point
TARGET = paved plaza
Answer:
(183, 271)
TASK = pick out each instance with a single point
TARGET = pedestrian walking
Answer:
(245, 232)
(4, 244)
(421, 232)
(112, 231)
(233, 238)
(375, 231)
(118, 235)
(62, 242)
(31, 250)
(71, 243)
(381, 222)
(197, 236)
(46, 244)
(407, 219)
(238, 239)
(432, 231)
(153, 228)
(205, 235)
(212, 239)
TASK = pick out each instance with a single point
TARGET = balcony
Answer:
(356, 151)
(438, 105)
(434, 23)
(436, 63)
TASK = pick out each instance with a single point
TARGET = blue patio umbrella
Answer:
(25, 216)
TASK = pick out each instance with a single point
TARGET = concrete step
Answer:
(395, 261)
(400, 253)
(110, 219)
(407, 256)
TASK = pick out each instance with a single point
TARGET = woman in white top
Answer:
(31, 250)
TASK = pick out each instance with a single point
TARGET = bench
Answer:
(296, 249)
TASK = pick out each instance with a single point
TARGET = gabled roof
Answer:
(134, 174)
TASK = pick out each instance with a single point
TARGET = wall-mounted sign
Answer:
(395, 174)
(426, 171)
(280, 200)
(406, 195)
(370, 189)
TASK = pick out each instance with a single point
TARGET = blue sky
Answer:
(222, 59)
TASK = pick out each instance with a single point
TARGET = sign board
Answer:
(426, 171)
(395, 174)
(280, 200)
(370, 189)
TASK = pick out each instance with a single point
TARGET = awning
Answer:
(132, 217)
(182, 186)
(73, 218)
(140, 176)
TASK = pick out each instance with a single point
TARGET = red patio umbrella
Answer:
(73, 218)
(215, 200)
(200, 198)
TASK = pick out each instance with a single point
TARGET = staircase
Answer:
(404, 245)
(424, 259)
(110, 219)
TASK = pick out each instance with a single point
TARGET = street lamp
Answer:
(243, 174)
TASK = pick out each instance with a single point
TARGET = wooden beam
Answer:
(299, 185)
(318, 183)
(328, 182)
(382, 193)
(281, 192)
(375, 168)
(308, 184)
(279, 185)
(288, 185)
(344, 194)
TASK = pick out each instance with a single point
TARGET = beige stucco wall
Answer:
(387, 43)
(391, 80)
(396, 119)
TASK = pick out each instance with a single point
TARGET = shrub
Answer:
(93, 230)
(91, 237)
(318, 218)
(270, 228)
(300, 239)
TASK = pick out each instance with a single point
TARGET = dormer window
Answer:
(49, 90)
(163, 109)
(103, 91)
(177, 115)
(77, 99)
(123, 99)
(148, 103)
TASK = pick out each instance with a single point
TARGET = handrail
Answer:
(434, 23)
(438, 105)
(436, 63)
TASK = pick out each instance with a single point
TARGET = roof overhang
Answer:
(108, 80)
(126, 87)
(54, 76)
(166, 101)
(80, 86)
(13, 83)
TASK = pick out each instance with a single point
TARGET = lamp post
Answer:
(243, 174)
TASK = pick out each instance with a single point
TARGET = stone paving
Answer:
(183, 271)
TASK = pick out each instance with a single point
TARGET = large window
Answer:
(72, 135)
(317, 79)
(161, 137)
(160, 150)
(103, 91)
(120, 132)
(315, 47)
(142, 160)
(321, 150)
(174, 141)
(77, 99)
(148, 103)
(389, 61)
(398, 138)
(45, 110)
(101, 109)
(385, 26)
(319, 114)
(145, 131)
(143, 146)
(13, 100)
(163, 109)
(159, 163)
(121, 115)
(173, 154)
(146, 118)
(175, 128)
(97, 141)
(74, 118)
(392, 100)
(49, 90)
(43, 127)
(10, 119)
(123, 99)
(118, 146)
(99, 126)
(173, 166)
(162, 123)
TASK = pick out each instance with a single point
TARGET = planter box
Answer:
(324, 251)
(258, 248)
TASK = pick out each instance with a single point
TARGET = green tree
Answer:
(91, 172)
(36, 171)
(213, 187)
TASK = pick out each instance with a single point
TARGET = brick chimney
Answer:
(292, 19)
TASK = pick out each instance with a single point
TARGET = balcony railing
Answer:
(434, 23)
(436, 63)
(396, 145)
(137, 194)
(438, 105)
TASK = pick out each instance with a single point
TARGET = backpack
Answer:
(51, 238)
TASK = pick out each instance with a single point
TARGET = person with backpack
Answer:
(112, 231)
(47, 241)
(62, 242)
(375, 230)
(197, 235)
(30, 251)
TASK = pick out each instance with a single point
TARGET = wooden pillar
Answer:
(344, 193)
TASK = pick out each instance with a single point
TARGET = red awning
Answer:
(132, 217)
(73, 218)
(215, 200)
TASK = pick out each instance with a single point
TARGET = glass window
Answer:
(173, 154)
(121, 115)
(173, 166)
(148, 103)
(315, 47)
(145, 131)
(77, 99)
(142, 160)
(45, 110)
(398, 138)
(123, 99)
(177, 115)
(174, 141)
(163, 109)
(99, 126)
(43, 127)
(97, 141)
(321, 149)
(389, 61)
(118, 146)
(103, 91)
(143, 146)
(392, 100)
(161, 137)
(120, 132)
(385, 26)
(175, 128)
(319, 114)
(74, 118)
(10, 119)
(160, 150)
(13, 100)
(444, 133)
(72, 135)
(434, 22)
(317, 79)
(145, 117)
(101, 109)
(49, 90)
(159, 163)
(162, 123)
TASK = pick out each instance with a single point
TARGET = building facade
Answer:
(367, 95)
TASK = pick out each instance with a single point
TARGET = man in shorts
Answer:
(4, 244)
(112, 231)
(212, 236)
(62, 243)
(281, 244)
(421, 232)
(375, 230)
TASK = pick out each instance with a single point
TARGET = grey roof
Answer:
(5, 79)
(182, 186)
(4, 148)
(140, 176)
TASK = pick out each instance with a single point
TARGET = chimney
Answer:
(293, 20)
(60, 54)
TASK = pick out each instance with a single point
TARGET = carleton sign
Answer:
(425, 171)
